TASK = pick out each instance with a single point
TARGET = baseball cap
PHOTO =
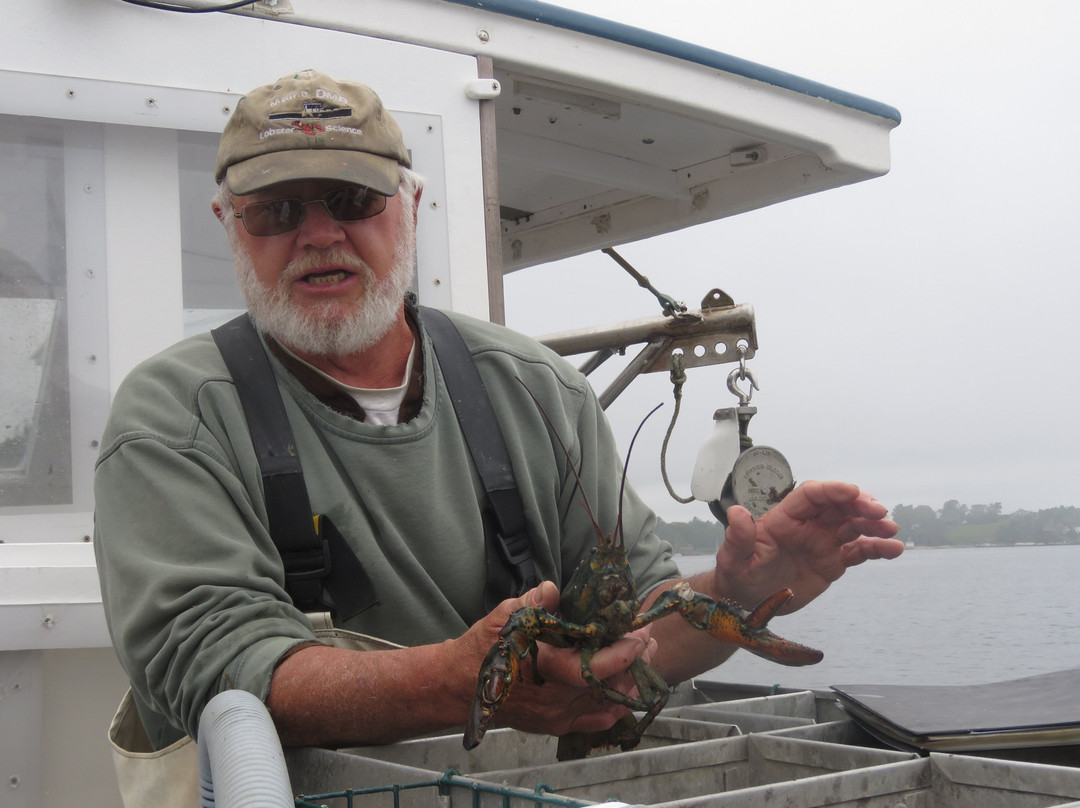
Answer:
(310, 126)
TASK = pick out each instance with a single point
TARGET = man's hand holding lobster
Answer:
(563, 702)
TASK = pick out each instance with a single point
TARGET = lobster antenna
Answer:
(569, 460)
(626, 467)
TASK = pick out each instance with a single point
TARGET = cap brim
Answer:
(371, 170)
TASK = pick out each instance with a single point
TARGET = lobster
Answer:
(599, 606)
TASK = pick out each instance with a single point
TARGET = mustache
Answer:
(321, 259)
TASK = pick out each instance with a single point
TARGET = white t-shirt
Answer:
(381, 405)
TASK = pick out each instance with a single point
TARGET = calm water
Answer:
(950, 616)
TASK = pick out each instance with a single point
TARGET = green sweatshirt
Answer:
(192, 584)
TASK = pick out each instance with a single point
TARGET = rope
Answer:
(678, 379)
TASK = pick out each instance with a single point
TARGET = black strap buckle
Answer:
(305, 571)
(516, 550)
(304, 565)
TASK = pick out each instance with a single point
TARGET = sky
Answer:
(917, 332)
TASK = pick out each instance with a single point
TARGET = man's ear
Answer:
(416, 204)
(218, 212)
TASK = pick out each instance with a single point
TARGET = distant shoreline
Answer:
(690, 552)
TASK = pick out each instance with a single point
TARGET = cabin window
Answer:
(53, 329)
(211, 293)
(35, 416)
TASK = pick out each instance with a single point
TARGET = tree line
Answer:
(696, 537)
(952, 525)
(956, 524)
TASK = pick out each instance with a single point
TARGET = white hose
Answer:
(241, 764)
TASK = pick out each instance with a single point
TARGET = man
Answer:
(320, 205)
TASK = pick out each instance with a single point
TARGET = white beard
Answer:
(330, 329)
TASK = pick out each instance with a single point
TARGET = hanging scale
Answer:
(760, 476)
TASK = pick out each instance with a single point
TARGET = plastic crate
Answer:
(939, 781)
(694, 769)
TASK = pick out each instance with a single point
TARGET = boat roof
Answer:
(583, 23)
(608, 133)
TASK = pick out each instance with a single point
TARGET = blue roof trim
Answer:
(547, 14)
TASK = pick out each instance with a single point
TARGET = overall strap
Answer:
(510, 567)
(312, 550)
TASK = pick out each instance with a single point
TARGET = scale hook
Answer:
(739, 373)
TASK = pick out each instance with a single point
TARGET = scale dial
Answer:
(760, 478)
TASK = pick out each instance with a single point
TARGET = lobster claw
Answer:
(497, 675)
(726, 621)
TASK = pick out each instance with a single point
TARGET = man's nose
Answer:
(317, 227)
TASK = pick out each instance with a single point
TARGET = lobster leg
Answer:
(727, 621)
(653, 694)
(606, 692)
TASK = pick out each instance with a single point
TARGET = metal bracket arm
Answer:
(709, 336)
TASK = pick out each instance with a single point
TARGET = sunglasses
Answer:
(277, 216)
